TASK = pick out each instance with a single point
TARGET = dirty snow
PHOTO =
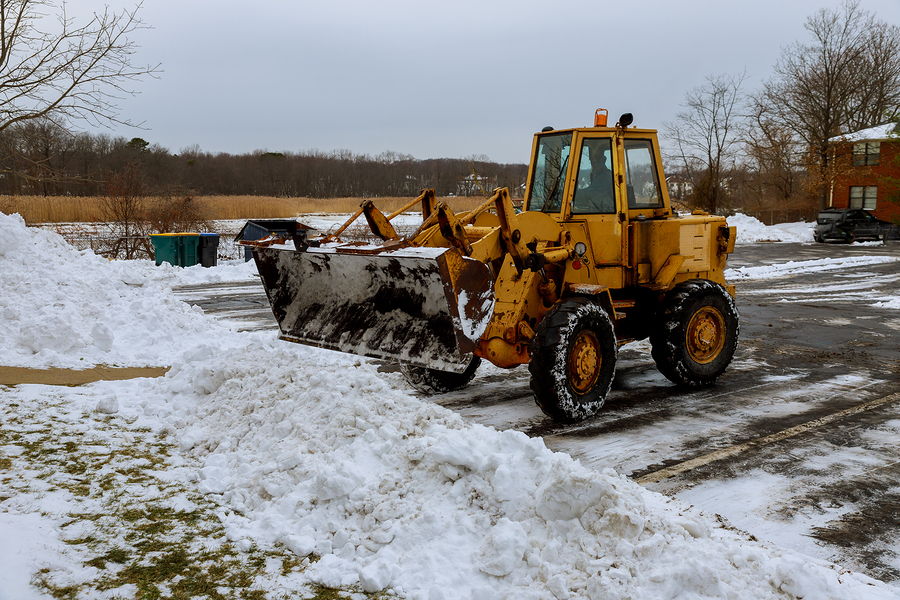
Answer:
(315, 451)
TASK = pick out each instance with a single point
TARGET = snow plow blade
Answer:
(422, 306)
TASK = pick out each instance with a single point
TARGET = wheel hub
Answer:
(584, 362)
(705, 335)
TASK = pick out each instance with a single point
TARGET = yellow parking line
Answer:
(769, 439)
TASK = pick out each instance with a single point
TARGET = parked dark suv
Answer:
(852, 224)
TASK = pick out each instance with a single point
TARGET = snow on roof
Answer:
(879, 132)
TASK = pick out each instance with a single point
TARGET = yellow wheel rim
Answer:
(584, 362)
(705, 335)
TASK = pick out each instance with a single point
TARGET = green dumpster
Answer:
(189, 251)
(165, 248)
(177, 249)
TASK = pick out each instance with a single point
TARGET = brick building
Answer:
(864, 161)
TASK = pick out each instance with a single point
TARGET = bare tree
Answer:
(705, 136)
(846, 79)
(122, 208)
(62, 70)
(774, 158)
(46, 149)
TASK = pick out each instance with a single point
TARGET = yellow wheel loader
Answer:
(596, 260)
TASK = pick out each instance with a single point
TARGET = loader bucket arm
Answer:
(379, 224)
(422, 306)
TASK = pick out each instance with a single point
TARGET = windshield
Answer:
(825, 217)
(550, 164)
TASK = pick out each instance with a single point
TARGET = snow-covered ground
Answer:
(372, 488)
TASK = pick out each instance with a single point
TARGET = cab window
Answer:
(549, 177)
(641, 178)
(594, 192)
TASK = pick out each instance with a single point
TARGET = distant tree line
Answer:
(41, 157)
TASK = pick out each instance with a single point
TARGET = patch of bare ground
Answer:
(25, 375)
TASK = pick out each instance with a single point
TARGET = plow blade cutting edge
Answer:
(422, 306)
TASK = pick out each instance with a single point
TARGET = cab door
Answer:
(596, 202)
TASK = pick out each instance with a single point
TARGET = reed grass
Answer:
(52, 209)
(71, 209)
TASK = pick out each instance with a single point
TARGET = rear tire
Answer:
(432, 381)
(696, 333)
(573, 360)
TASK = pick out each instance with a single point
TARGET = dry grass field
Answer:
(38, 210)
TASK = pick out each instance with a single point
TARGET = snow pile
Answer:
(225, 272)
(320, 454)
(751, 230)
(67, 308)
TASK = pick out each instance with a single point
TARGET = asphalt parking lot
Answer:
(797, 444)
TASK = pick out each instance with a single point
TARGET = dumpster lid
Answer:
(288, 227)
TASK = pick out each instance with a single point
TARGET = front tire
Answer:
(432, 381)
(573, 360)
(696, 333)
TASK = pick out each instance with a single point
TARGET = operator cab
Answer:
(596, 171)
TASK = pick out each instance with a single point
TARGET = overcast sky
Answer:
(438, 79)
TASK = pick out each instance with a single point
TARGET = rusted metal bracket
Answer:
(452, 229)
(378, 223)
(427, 198)
(667, 272)
(510, 234)
(270, 240)
(333, 236)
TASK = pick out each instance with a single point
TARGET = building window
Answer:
(866, 154)
(863, 196)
